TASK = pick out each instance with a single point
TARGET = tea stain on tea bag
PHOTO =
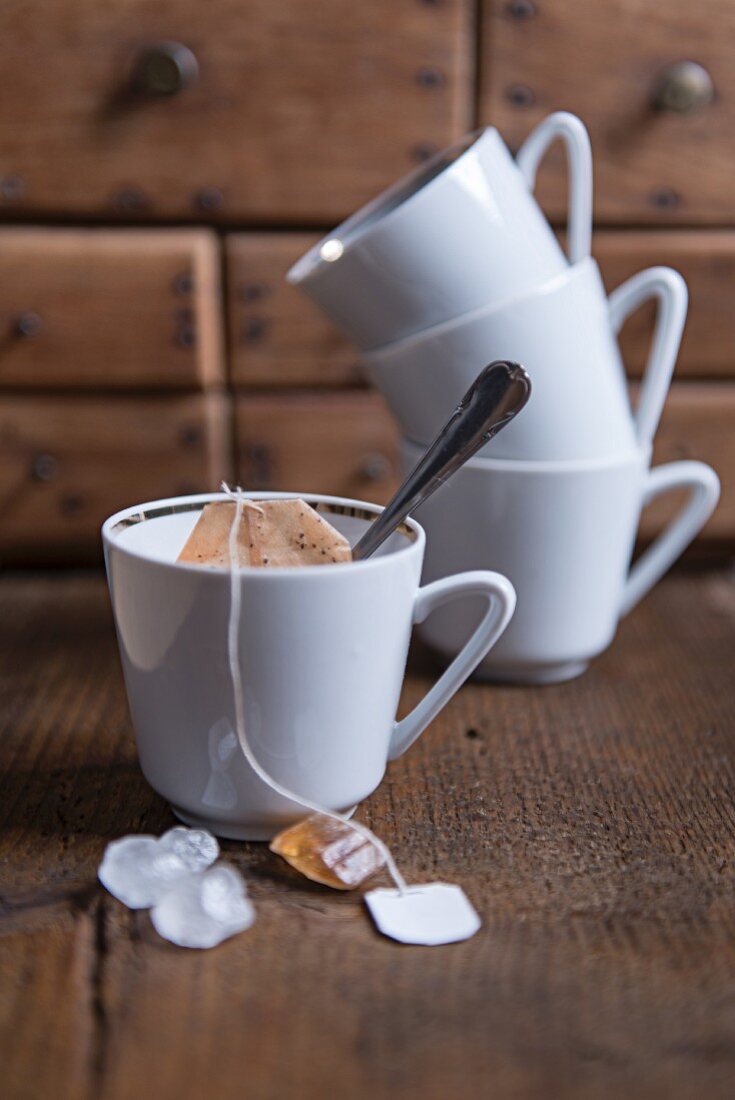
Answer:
(329, 851)
(269, 534)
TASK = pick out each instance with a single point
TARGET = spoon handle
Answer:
(497, 394)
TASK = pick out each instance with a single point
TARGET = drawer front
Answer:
(343, 444)
(699, 422)
(609, 63)
(276, 336)
(109, 309)
(276, 109)
(67, 463)
(706, 259)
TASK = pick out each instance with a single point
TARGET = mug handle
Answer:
(704, 486)
(669, 290)
(501, 598)
(573, 133)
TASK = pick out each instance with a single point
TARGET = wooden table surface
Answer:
(591, 823)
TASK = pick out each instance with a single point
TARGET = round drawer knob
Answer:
(683, 88)
(28, 324)
(374, 466)
(44, 467)
(165, 69)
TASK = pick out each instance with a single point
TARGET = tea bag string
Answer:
(233, 653)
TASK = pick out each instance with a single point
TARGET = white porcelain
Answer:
(460, 232)
(323, 653)
(564, 535)
(564, 334)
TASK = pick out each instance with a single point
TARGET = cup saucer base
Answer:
(541, 674)
(231, 830)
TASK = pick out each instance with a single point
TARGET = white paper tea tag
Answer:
(429, 914)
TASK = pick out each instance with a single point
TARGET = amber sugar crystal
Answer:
(329, 851)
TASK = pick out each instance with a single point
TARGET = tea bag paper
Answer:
(429, 915)
(269, 533)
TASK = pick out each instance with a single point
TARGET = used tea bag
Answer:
(329, 848)
(270, 533)
(329, 851)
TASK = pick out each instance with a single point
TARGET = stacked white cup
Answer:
(456, 266)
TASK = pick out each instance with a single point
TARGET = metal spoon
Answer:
(498, 393)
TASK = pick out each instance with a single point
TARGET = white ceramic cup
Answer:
(564, 334)
(460, 232)
(564, 534)
(323, 653)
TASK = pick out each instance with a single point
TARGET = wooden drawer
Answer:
(344, 444)
(706, 259)
(605, 61)
(277, 337)
(109, 309)
(293, 109)
(67, 463)
(699, 422)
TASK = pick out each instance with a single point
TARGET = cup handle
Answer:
(669, 290)
(501, 598)
(573, 133)
(704, 486)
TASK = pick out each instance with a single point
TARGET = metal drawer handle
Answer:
(27, 325)
(165, 69)
(683, 88)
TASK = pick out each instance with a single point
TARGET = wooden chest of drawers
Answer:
(163, 164)
(230, 108)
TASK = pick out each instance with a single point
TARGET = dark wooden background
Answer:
(143, 311)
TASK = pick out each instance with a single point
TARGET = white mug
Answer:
(564, 534)
(564, 334)
(460, 232)
(323, 653)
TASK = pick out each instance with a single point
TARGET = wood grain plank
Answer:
(706, 259)
(591, 823)
(698, 422)
(277, 337)
(603, 62)
(46, 1009)
(66, 463)
(344, 443)
(105, 309)
(292, 115)
(339, 443)
(69, 782)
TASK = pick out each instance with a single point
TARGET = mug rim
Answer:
(381, 355)
(349, 232)
(638, 455)
(411, 528)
